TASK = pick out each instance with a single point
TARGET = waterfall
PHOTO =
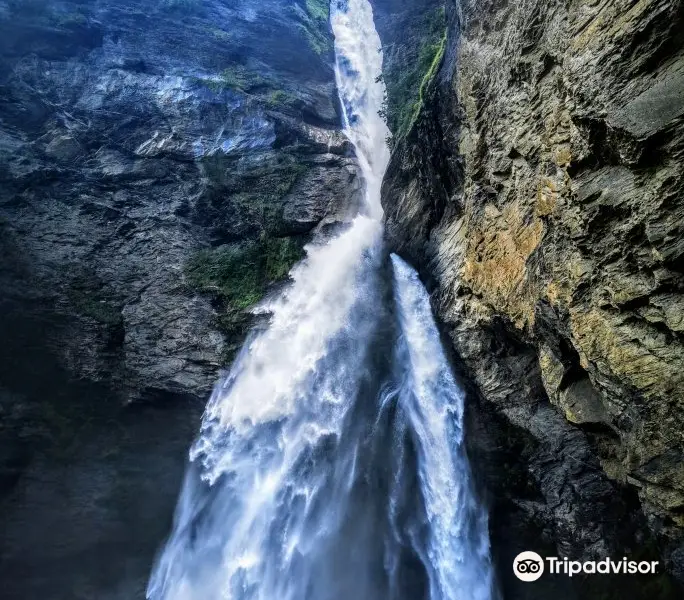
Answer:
(330, 461)
(457, 546)
(358, 70)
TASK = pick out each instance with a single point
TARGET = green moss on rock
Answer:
(407, 78)
(281, 99)
(239, 275)
(314, 17)
(318, 9)
(102, 311)
(237, 78)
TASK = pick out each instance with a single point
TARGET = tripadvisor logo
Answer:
(529, 566)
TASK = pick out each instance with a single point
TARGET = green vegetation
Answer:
(237, 78)
(432, 70)
(318, 9)
(314, 20)
(281, 99)
(240, 79)
(239, 275)
(318, 41)
(407, 81)
(288, 177)
(263, 183)
(259, 193)
(100, 310)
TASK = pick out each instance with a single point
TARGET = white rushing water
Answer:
(458, 544)
(358, 72)
(338, 411)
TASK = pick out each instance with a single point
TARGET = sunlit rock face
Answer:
(154, 155)
(540, 187)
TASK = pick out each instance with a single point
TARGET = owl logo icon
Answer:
(528, 566)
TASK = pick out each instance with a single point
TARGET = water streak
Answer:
(330, 463)
(458, 545)
(362, 93)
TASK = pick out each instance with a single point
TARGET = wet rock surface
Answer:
(540, 191)
(135, 139)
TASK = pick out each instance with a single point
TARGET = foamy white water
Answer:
(458, 543)
(290, 389)
(287, 490)
(358, 68)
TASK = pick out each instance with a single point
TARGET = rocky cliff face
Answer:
(162, 164)
(134, 136)
(540, 189)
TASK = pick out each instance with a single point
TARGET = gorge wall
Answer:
(134, 137)
(540, 189)
(162, 164)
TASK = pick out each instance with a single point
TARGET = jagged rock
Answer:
(540, 191)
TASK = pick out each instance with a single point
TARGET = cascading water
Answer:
(457, 546)
(330, 462)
